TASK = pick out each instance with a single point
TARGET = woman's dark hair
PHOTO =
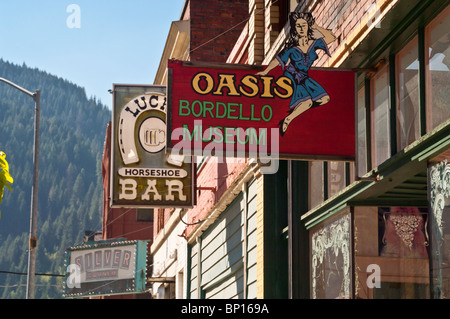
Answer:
(293, 35)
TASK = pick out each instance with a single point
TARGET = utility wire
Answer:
(228, 30)
(109, 223)
(24, 274)
(200, 221)
(190, 51)
(24, 285)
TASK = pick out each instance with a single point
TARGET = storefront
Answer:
(372, 228)
(385, 238)
(377, 230)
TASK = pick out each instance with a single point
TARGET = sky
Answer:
(91, 43)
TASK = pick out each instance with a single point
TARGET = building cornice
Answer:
(177, 47)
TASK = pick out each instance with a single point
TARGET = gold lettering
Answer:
(267, 84)
(250, 82)
(226, 80)
(285, 84)
(209, 83)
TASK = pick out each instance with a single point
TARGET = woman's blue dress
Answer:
(305, 88)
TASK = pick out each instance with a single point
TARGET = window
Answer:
(280, 10)
(401, 251)
(391, 253)
(336, 178)
(144, 215)
(407, 73)
(380, 117)
(438, 176)
(326, 179)
(331, 258)
(316, 182)
(437, 38)
(362, 144)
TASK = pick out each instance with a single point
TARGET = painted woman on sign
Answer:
(296, 59)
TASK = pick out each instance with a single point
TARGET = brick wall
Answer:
(211, 19)
(350, 21)
(272, 22)
(215, 28)
(256, 31)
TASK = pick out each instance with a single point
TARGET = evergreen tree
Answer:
(72, 136)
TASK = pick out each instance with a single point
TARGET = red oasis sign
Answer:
(227, 109)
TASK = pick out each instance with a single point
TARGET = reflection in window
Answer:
(336, 177)
(408, 95)
(401, 290)
(316, 194)
(380, 117)
(362, 160)
(331, 259)
(395, 241)
(438, 64)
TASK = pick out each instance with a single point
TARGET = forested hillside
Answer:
(72, 134)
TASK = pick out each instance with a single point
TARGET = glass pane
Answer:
(144, 214)
(362, 152)
(404, 233)
(380, 117)
(315, 184)
(408, 95)
(401, 290)
(391, 253)
(438, 68)
(439, 177)
(336, 177)
(331, 259)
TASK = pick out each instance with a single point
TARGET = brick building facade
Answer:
(314, 229)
